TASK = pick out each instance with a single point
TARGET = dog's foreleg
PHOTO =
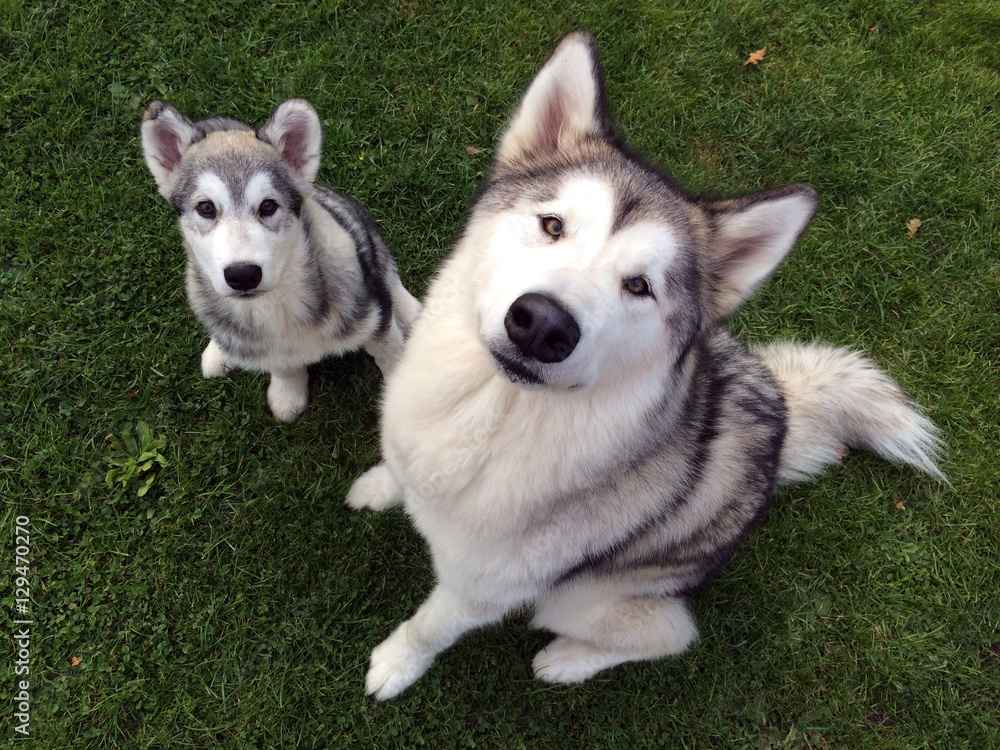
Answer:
(376, 489)
(288, 393)
(404, 656)
(213, 362)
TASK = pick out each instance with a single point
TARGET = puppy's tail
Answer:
(837, 399)
(405, 306)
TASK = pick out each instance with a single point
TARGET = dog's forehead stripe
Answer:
(645, 196)
(237, 171)
(634, 195)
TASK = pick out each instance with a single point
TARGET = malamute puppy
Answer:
(571, 427)
(281, 271)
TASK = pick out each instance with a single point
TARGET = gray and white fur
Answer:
(572, 428)
(281, 271)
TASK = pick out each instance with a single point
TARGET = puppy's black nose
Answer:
(243, 276)
(541, 327)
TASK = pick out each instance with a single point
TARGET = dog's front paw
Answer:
(376, 489)
(213, 362)
(567, 660)
(395, 665)
(288, 395)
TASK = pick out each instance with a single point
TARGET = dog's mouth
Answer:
(248, 294)
(516, 371)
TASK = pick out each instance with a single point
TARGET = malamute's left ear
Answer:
(294, 129)
(750, 237)
(166, 135)
(563, 106)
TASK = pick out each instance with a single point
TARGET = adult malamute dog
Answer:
(281, 271)
(571, 428)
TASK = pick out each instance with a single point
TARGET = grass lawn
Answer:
(234, 603)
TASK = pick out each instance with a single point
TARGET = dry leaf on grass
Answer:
(472, 150)
(899, 506)
(76, 661)
(756, 57)
(872, 29)
(912, 226)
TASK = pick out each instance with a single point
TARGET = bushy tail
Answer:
(405, 306)
(837, 399)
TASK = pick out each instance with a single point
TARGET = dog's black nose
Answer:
(541, 327)
(243, 277)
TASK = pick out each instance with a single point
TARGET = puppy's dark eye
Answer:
(268, 207)
(206, 209)
(637, 286)
(552, 226)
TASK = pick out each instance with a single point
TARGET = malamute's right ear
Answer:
(295, 131)
(563, 106)
(166, 135)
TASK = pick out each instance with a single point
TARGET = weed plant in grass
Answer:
(234, 603)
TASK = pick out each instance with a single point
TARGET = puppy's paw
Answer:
(213, 362)
(567, 660)
(376, 489)
(288, 395)
(395, 665)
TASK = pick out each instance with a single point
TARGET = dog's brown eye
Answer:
(268, 207)
(637, 286)
(552, 226)
(206, 209)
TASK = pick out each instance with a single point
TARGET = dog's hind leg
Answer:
(288, 393)
(599, 628)
(213, 362)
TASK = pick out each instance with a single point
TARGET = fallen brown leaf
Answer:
(756, 57)
(912, 226)
(76, 661)
(899, 506)
(472, 150)
(872, 29)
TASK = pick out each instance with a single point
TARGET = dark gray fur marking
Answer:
(731, 396)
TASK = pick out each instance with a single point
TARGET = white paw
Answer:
(376, 489)
(394, 666)
(288, 395)
(567, 660)
(213, 362)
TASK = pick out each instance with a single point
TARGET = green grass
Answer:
(235, 603)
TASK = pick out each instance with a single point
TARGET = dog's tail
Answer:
(405, 306)
(837, 399)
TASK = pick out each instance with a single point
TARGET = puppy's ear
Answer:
(294, 129)
(749, 237)
(166, 135)
(564, 105)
